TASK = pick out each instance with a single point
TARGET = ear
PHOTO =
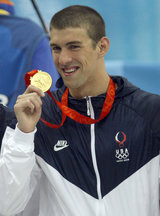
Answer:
(103, 46)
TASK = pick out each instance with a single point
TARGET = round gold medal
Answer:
(41, 80)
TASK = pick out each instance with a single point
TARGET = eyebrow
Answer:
(69, 43)
(53, 44)
(73, 42)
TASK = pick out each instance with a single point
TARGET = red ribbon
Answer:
(66, 111)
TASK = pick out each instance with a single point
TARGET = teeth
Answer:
(69, 70)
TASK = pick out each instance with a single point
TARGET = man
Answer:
(104, 159)
(24, 47)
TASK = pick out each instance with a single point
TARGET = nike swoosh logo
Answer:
(59, 147)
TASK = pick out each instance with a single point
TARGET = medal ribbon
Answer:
(66, 111)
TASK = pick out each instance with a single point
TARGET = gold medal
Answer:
(41, 80)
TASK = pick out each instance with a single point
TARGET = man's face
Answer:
(74, 56)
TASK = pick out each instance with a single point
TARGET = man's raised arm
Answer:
(18, 169)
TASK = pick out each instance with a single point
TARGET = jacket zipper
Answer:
(88, 106)
(90, 112)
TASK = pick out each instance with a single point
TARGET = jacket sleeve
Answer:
(19, 171)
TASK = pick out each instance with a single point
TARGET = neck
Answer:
(96, 87)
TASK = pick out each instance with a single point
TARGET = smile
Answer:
(70, 71)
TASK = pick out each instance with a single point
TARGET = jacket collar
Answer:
(124, 86)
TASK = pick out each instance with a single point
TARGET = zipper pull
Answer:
(88, 106)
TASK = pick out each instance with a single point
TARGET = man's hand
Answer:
(28, 109)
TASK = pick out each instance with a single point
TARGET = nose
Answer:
(65, 57)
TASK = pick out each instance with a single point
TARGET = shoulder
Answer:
(22, 25)
(148, 106)
(21, 20)
(136, 98)
(144, 104)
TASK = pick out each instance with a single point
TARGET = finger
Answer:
(36, 101)
(30, 102)
(28, 95)
(32, 88)
(24, 105)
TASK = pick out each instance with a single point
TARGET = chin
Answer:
(70, 85)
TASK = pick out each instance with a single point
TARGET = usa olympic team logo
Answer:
(120, 140)
(122, 153)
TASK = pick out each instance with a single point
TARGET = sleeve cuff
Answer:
(24, 139)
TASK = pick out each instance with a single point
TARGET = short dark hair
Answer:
(80, 16)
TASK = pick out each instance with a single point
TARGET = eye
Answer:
(74, 47)
(56, 49)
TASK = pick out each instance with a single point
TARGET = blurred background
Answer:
(133, 28)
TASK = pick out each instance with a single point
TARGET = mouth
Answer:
(70, 71)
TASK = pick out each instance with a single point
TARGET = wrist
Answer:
(26, 129)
